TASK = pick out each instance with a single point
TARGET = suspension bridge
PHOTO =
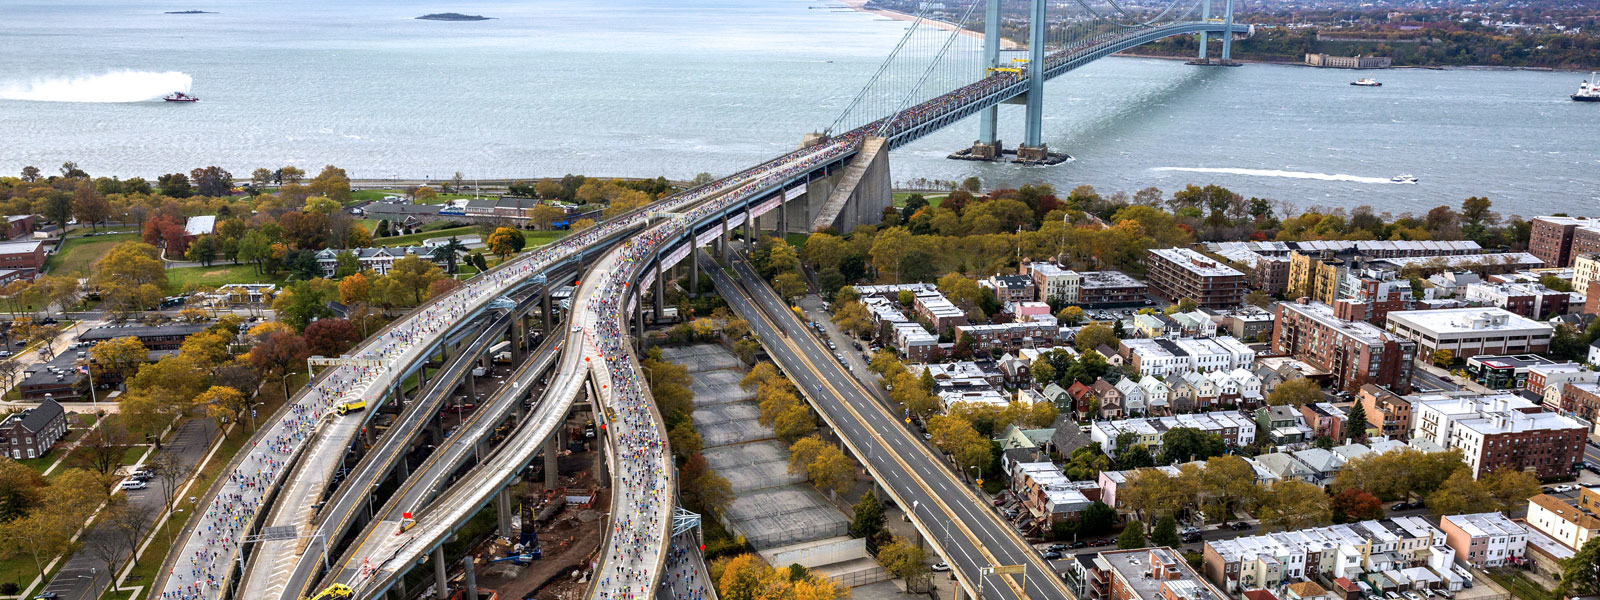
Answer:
(838, 178)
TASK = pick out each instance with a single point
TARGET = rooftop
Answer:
(107, 332)
(1135, 567)
(1467, 260)
(1486, 524)
(1462, 320)
(1512, 421)
(201, 225)
(20, 247)
(1323, 315)
(1108, 279)
(1195, 262)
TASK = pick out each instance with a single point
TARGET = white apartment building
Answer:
(1052, 281)
(1585, 268)
(1434, 415)
(1235, 428)
(1168, 357)
(1350, 550)
(1470, 331)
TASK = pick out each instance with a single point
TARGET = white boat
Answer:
(1404, 178)
(1367, 82)
(1589, 91)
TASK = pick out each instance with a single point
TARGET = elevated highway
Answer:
(595, 360)
(946, 513)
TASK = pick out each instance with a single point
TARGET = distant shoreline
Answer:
(861, 6)
(452, 17)
(1292, 63)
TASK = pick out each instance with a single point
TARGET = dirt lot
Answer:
(570, 541)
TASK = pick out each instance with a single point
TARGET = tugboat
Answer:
(180, 97)
(1367, 82)
(1404, 178)
(1589, 91)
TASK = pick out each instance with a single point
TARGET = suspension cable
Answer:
(954, 32)
(887, 62)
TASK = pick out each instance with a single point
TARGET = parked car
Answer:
(1412, 596)
(941, 567)
(1079, 544)
(1239, 526)
(1056, 547)
(133, 484)
(1098, 543)
(1052, 555)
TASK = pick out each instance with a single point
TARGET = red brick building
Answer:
(1545, 443)
(1557, 240)
(1354, 353)
(1386, 411)
(26, 256)
(1178, 273)
(20, 226)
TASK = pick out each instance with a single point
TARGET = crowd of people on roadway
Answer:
(636, 535)
(214, 542)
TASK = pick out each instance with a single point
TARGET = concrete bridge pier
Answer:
(441, 579)
(544, 311)
(854, 195)
(503, 511)
(1205, 15)
(518, 335)
(694, 270)
(1033, 148)
(402, 471)
(551, 471)
(660, 291)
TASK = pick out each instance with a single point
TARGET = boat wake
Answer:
(115, 86)
(1278, 173)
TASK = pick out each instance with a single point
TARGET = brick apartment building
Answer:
(1354, 353)
(1546, 443)
(1386, 411)
(1102, 288)
(1581, 399)
(1531, 300)
(1557, 240)
(1178, 273)
(1141, 574)
(155, 337)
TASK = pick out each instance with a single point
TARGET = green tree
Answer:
(1355, 428)
(1095, 335)
(1580, 574)
(1296, 392)
(1165, 532)
(1097, 519)
(868, 520)
(1132, 537)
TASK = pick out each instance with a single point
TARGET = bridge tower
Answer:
(987, 147)
(1033, 148)
(1227, 37)
(1205, 15)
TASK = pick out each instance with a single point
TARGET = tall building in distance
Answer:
(1354, 353)
(1557, 240)
(1179, 273)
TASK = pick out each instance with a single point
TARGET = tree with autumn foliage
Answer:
(278, 355)
(331, 337)
(1352, 505)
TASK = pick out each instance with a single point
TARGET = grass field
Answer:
(418, 238)
(216, 275)
(359, 196)
(78, 253)
(933, 198)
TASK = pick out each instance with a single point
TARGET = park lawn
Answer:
(933, 198)
(373, 195)
(78, 253)
(418, 238)
(216, 275)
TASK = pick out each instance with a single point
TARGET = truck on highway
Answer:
(337, 591)
(350, 407)
(501, 352)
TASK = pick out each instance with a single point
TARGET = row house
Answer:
(1234, 427)
(1485, 539)
(378, 260)
(1050, 497)
(1375, 552)
(1170, 357)
(1012, 288)
(1052, 282)
(934, 308)
(1009, 336)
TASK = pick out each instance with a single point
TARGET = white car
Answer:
(133, 484)
(941, 567)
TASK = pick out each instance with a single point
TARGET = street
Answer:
(84, 577)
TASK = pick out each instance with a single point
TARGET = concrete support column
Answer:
(660, 291)
(471, 577)
(1227, 36)
(503, 510)
(638, 320)
(1037, 27)
(694, 270)
(961, 593)
(472, 387)
(783, 217)
(367, 435)
(402, 471)
(518, 335)
(551, 470)
(1205, 15)
(400, 589)
(544, 309)
(722, 245)
(441, 579)
(750, 229)
(989, 120)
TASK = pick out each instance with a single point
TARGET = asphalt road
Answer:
(967, 533)
(84, 577)
(1421, 378)
(357, 489)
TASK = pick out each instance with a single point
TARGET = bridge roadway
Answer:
(199, 566)
(700, 202)
(960, 525)
(420, 493)
(303, 494)
(288, 564)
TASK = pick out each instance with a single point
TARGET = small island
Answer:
(453, 17)
(190, 12)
